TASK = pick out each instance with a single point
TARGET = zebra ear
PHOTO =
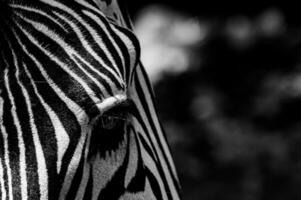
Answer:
(114, 11)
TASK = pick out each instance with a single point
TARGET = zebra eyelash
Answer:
(107, 122)
(114, 116)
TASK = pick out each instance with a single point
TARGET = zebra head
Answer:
(77, 115)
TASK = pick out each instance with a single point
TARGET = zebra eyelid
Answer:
(114, 117)
(119, 112)
(114, 104)
(111, 102)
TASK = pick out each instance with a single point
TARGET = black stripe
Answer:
(107, 42)
(151, 93)
(4, 168)
(155, 186)
(75, 42)
(45, 129)
(132, 37)
(115, 187)
(139, 118)
(78, 176)
(24, 120)
(13, 147)
(89, 38)
(137, 183)
(147, 148)
(35, 16)
(89, 187)
(46, 135)
(65, 82)
(117, 40)
(154, 132)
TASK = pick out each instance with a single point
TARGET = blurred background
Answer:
(228, 85)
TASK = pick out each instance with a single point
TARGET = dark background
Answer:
(233, 119)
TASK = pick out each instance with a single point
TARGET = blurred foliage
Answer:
(233, 119)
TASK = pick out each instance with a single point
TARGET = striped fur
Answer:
(77, 119)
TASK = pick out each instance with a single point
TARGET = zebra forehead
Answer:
(126, 47)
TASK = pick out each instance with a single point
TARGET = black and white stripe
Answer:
(77, 118)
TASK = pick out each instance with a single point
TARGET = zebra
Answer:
(77, 113)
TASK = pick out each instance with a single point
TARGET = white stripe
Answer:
(2, 190)
(139, 128)
(88, 47)
(2, 181)
(155, 119)
(151, 165)
(46, 31)
(147, 193)
(75, 28)
(42, 170)
(39, 11)
(133, 160)
(22, 160)
(88, 27)
(106, 166)
(84, 181)
(71, 52)
(129, 45)
(6, 156)
(168, 174)
(73, 165)
(86, 171)
(80, 114)
(62, 137)
(105, 29)
(101, 87)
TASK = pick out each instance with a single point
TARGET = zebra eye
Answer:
(109, 130)
(112, 121)
(116, 117)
